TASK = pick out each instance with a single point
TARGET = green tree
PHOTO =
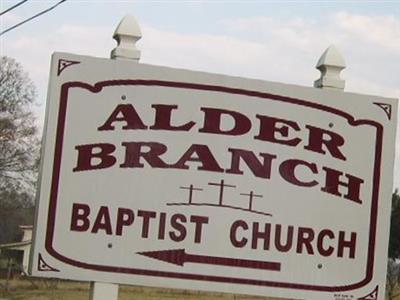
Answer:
(18, 147)
(393, 279)
(394, 242)
(393, 272)
(15, 209)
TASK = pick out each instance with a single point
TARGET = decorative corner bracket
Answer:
(45, 267)
(387, 108)
(63, 64)
(371, 296)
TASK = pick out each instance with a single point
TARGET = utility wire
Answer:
(12, 7)
(33, 17)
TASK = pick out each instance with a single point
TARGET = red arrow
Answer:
(180, 257)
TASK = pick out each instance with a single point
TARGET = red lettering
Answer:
(203, 155)
(332, 183)
(180, 233)
(320, 137)
(103, 221)
(264, 235)
(125, 217)
(87, 155)
(134, 151)
(305, 237)
(161, 227)
(79, 219)
(279, 245)
(213, 117)
(320, 242)
(163, 119)
(288, 172)
(269, 127)
(146, 216)
(128, 115)
(235, 242)
(199, 221)
(259, 169)
(351, 244)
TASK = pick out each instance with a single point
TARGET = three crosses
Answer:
(222, 185)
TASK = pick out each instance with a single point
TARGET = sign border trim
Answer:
(96, 88)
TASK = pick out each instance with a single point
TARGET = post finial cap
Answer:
(331, 57)
(330, 64)
(127, 34)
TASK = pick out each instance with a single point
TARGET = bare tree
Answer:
(19, 144)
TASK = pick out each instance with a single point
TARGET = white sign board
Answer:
(164, 177)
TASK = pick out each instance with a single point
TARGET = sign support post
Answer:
(126, 34)
(103, 291)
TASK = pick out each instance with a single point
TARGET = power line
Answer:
(12, 7)
(33, 17)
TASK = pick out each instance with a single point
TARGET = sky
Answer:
(270, 40)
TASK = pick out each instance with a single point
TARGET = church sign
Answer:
(165, 177)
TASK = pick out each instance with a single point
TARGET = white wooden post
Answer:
(103, 291)
(126, 34)
(330, 64)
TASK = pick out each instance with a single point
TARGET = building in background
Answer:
(19, 251)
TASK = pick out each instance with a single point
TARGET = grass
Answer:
(21, 289)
